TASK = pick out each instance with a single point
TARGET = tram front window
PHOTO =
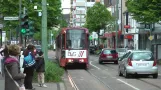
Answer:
(75, 39)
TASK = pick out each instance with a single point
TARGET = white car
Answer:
(138, 62)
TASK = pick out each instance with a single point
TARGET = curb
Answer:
(62, 86)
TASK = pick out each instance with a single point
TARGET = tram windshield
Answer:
(75, 39)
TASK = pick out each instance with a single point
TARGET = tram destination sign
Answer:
(11, 18)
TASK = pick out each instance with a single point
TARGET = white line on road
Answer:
(72, 82)
(94, 65)
(128, 84)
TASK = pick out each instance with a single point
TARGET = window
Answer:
(142, 56)
(76, 39)
(109, 52)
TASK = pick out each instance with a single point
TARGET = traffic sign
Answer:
(11, 18)
(127, 26)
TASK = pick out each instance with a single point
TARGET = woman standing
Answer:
(13, 77)
(29, 70)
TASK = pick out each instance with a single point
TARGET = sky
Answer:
(66, 4)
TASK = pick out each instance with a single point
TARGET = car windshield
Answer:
(121, 50)
(109, 52)
(142, 56)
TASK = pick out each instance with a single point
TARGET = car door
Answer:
(124, 61)
(120, 61)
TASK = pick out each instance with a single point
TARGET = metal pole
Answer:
(80, 18)
(20, 36)
(44, 30)
(116, 44)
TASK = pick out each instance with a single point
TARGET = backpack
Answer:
(29, 61)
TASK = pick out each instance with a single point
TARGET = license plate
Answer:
(142, 64)
(109, 56)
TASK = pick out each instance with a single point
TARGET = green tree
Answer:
(145, 11)
(97, 17)
(11, 8)
(37, 36)
(63, 22)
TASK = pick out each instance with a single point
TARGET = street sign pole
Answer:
(44, 30)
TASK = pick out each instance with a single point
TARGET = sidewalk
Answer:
(51, 86)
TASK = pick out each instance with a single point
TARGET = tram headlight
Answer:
(81, 60)
(70, 60)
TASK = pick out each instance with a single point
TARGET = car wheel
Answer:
(126, 75)
(100, 62)
(116, 62)
(155, 76)
(119, 72)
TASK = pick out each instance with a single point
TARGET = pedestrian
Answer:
(29, 70)
(13, 76)
(4, 53)
(40, 69)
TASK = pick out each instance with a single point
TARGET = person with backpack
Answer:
(40, 69)
(13, 76)
(29, 66)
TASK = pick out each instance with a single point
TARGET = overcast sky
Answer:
(66, 4)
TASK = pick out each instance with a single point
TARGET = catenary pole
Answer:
(116, 43)
(20, 36)
(44, 29)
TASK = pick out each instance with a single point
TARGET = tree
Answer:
(10, 8)
(145, 11)
(37, 36)
(97, 17)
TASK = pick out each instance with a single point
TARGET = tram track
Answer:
(139, 79)
(73, 84)
(105, 84)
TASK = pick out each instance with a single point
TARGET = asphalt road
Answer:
(105, 77)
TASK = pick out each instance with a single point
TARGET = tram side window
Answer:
(63, 41)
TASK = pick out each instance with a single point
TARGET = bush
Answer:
(53, 72)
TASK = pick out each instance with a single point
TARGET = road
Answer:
(105, 77)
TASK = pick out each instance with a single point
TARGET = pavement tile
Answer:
(50, 86)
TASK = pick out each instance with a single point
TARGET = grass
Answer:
(53, 72)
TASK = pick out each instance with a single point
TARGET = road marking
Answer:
(72, 82)
(128, 84)
(94, 65)
(159, 74)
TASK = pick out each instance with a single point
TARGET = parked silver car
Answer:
(138, 62)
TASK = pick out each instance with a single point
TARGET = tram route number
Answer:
(76, 54)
